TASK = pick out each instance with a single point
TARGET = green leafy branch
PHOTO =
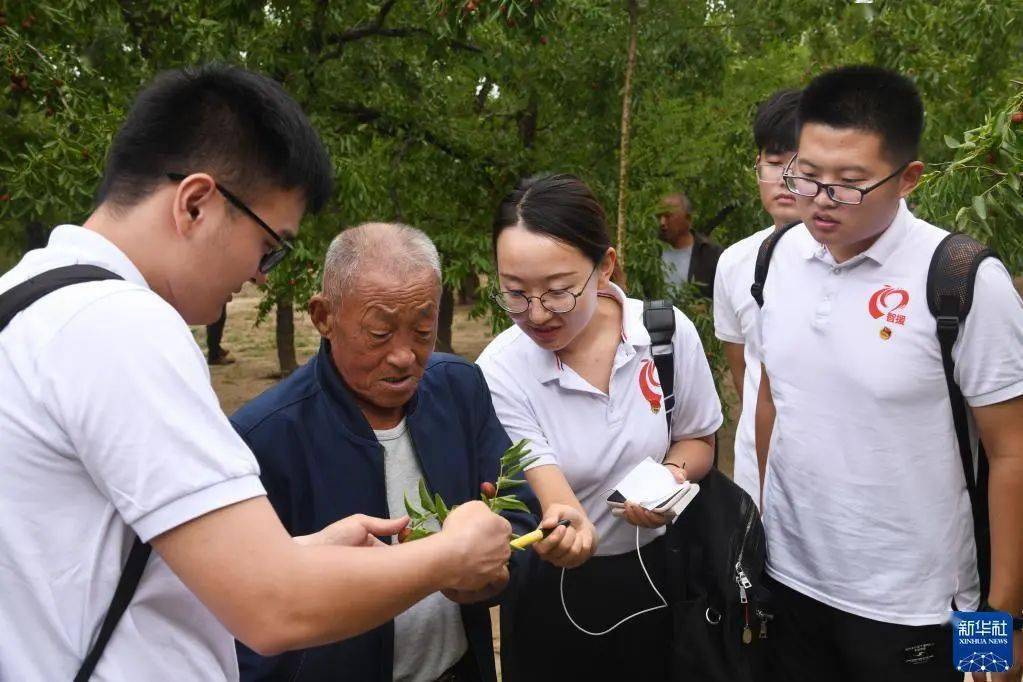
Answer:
(427, 520)
(979, 190)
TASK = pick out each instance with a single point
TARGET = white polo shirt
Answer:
(866, 508)
(108, 427)
(596, 438)
(736, 320)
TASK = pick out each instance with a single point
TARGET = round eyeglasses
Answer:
(557, 301)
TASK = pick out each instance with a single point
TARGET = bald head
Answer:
(675, 219)
(399, 251)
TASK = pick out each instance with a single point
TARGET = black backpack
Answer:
(716, 558)
(950, 280)
(13, 302)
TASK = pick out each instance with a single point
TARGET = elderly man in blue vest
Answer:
(354, 430)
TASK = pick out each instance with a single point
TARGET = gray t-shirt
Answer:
(428, 637)
(676, 264)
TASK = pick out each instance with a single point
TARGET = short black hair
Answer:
(240, 127)
(774, 126)
(868, 98)
(559, 206)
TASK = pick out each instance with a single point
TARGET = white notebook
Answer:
(653, 487)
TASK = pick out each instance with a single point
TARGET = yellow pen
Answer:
(537, 535)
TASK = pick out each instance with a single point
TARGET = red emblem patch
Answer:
(886, 302)
(650, 386)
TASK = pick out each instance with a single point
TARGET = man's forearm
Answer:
(764, 425)
(1001, 431)
(340, 592)
(735, 355)
(274, 594)
(1006, 512)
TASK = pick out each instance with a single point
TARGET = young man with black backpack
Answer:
(866, 501)
(112, 440)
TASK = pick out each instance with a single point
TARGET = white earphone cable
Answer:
(663, 604)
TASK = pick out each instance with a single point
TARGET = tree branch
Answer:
(375, 27)
(408, 130)
(372, 27)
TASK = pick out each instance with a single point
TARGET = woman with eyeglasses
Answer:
(575, 376)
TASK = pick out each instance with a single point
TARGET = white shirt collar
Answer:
(879, 251)
(97, 250)
(548, 366)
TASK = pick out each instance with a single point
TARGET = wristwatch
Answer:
(1017, 621)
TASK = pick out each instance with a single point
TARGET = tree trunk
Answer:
(445, 319)
(286, 333)
(623, 163)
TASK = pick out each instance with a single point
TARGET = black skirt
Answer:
(539, 643)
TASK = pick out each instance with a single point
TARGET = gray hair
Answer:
(399, 249)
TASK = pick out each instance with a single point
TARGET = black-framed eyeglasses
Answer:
(768, 172)
(557, 301)
(837, 192)
(271, 259)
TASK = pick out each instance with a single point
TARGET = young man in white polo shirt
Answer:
(109, 426)
(869, 526)
(735, 311)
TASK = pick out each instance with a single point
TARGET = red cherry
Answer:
(488, 489)
(543, 40)
(1017, 118)
(403, 534)
(5, 197)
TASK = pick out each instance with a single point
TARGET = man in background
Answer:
(690, 256)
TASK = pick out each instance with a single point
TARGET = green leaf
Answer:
(1013, 181)
(442, 509)
(951, 142)
(980, 207)
(509, 482)
(424, 497)
(419, 534)
(962, 217)
(409, 509)
(508, 503)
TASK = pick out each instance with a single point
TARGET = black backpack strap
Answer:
(12, 302)
(950, 281)
(21, 296)
(764, 262)
(659, 320)
(126, 586)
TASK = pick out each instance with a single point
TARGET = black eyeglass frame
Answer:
(498, 297)
(269, 260)
(827, 186)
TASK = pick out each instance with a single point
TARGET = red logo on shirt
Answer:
(649, 385)
(887, 302)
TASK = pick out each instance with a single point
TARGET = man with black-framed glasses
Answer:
(124, 492)
(865, 502)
